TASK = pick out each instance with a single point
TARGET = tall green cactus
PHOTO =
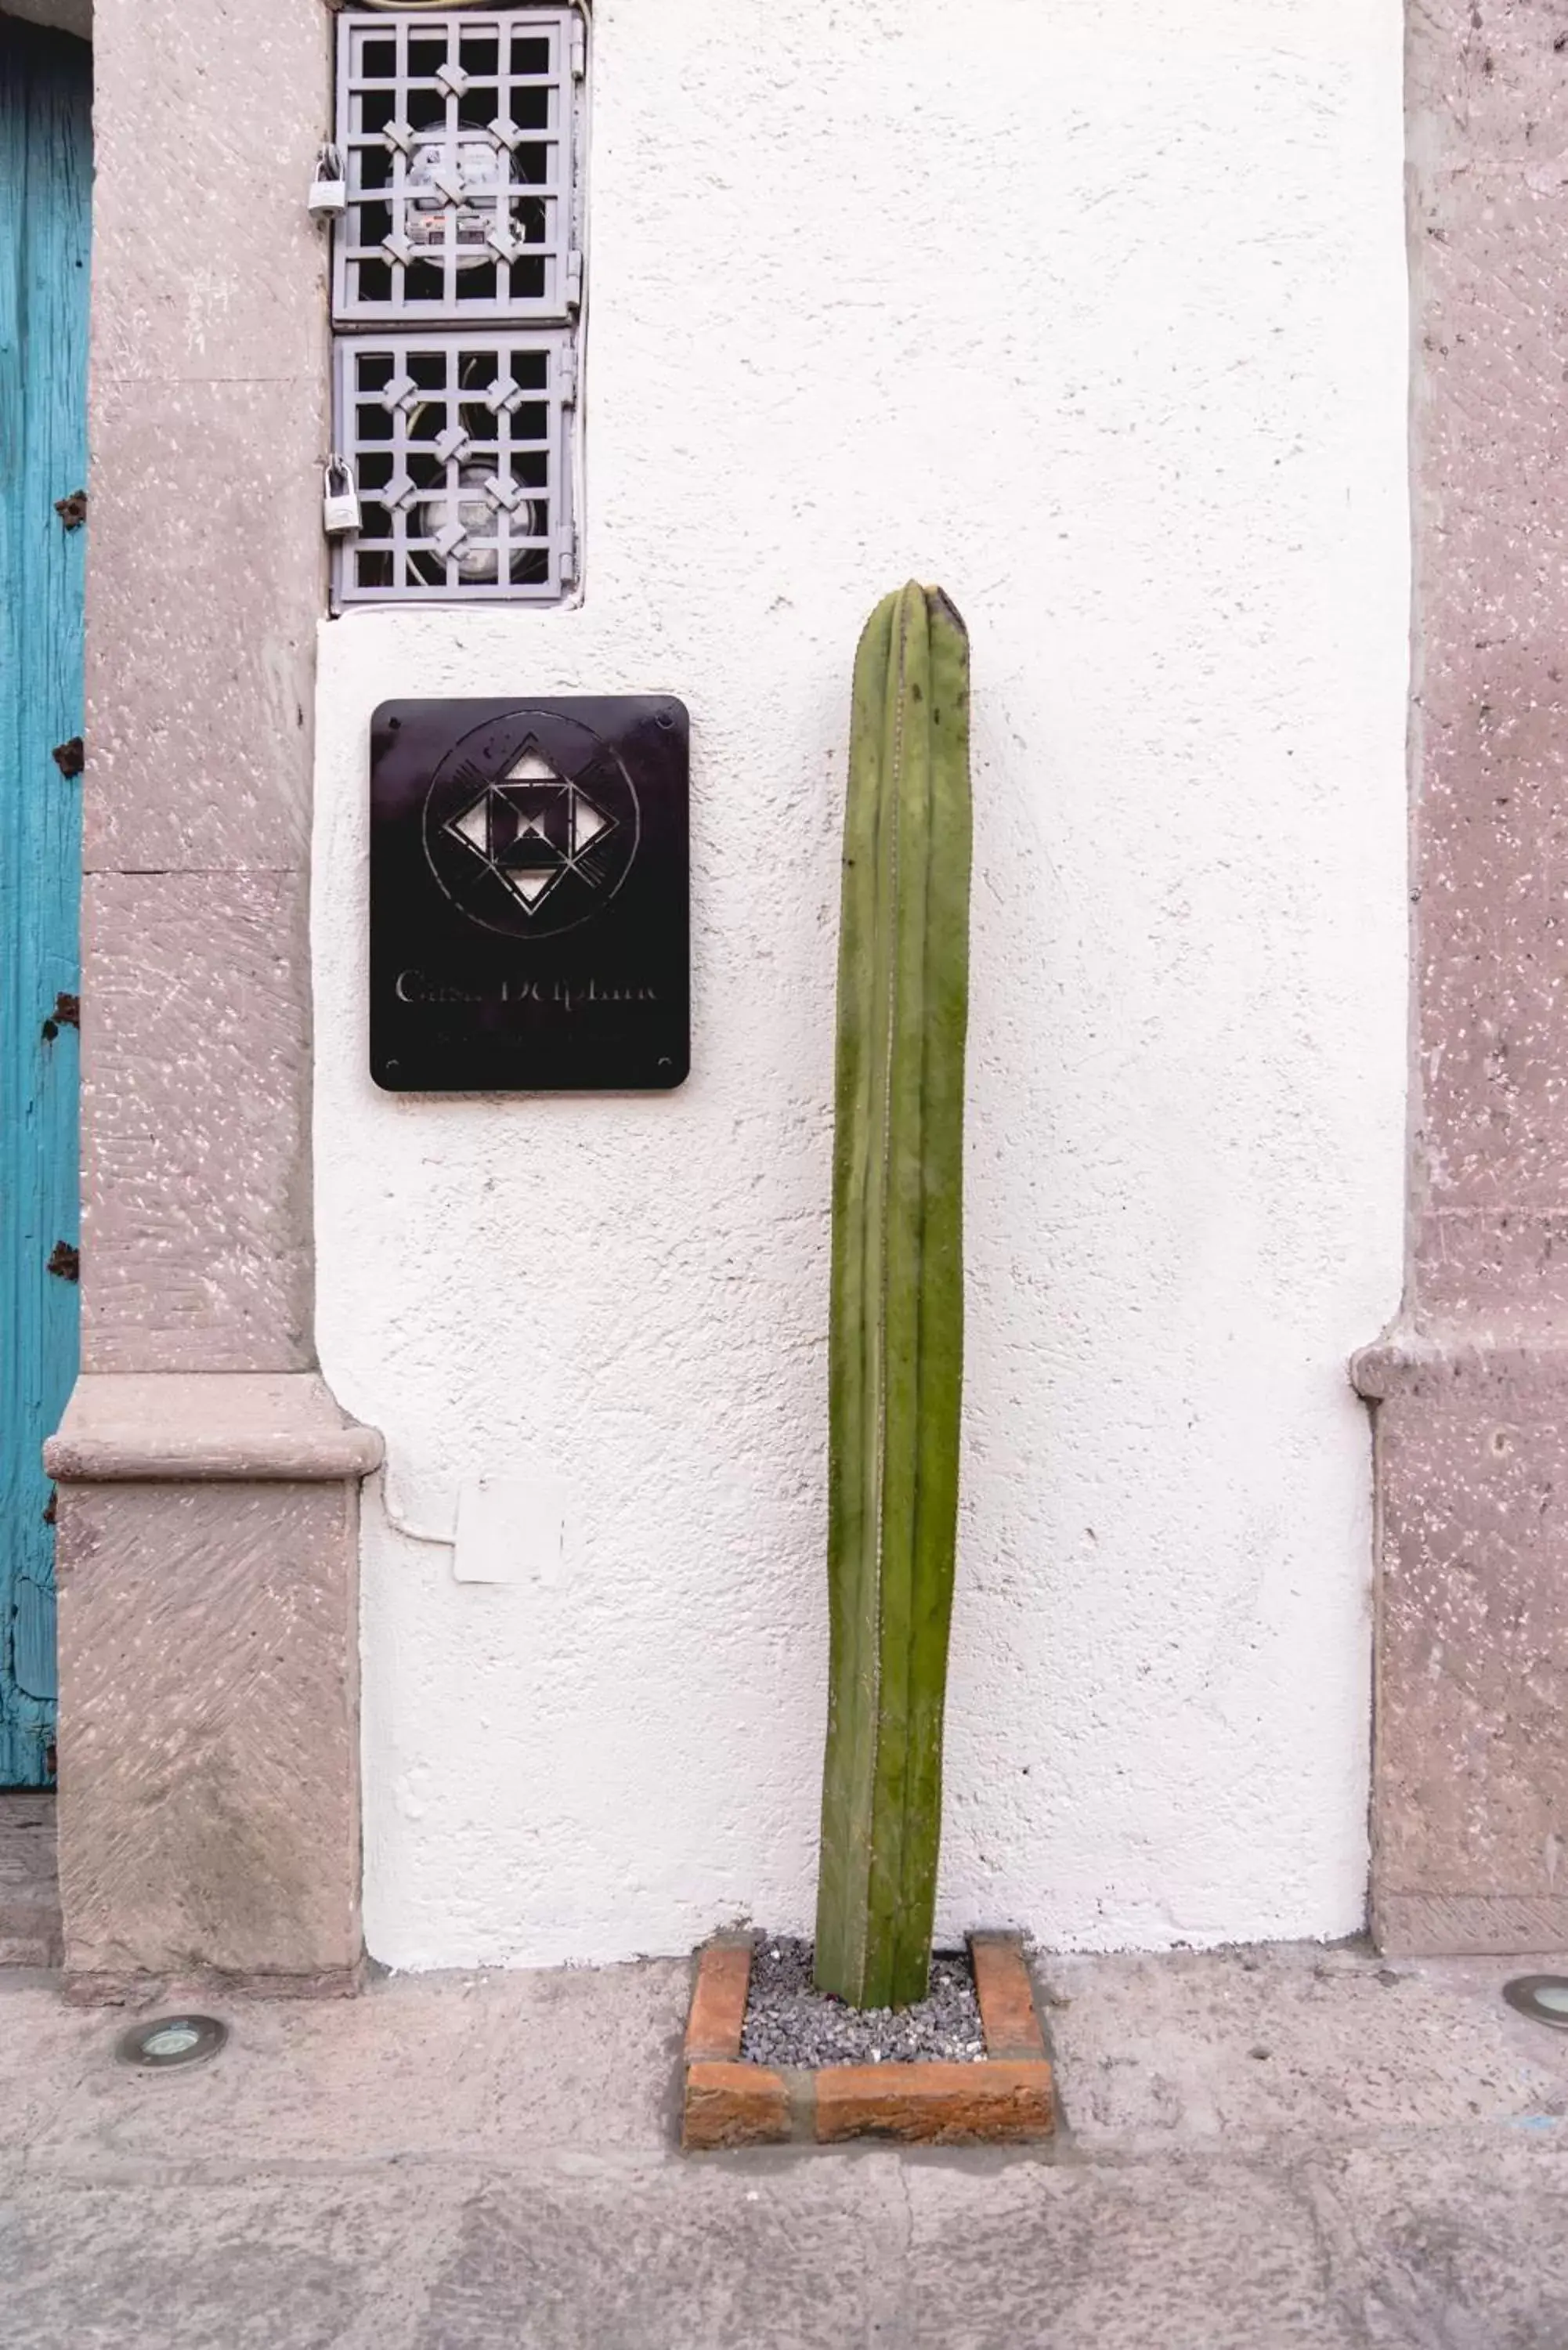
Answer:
(896, 1342)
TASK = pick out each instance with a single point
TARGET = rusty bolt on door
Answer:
(65, 1261)
(70, 757)
(66, 1013)
(72, 511)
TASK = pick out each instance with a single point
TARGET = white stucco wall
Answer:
(1095, 312)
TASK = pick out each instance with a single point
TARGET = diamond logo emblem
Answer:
(532, 828)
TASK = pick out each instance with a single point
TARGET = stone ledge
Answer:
(207, 1986)
(1469, 1925)
(1446, 1363)
(180, 1427)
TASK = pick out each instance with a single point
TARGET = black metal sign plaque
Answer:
(529, 895)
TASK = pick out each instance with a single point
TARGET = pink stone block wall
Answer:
(1471, 1803)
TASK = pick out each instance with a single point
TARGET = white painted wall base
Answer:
(1097, 315)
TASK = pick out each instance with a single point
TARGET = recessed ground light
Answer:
(1544, 1998)
(171, 2040)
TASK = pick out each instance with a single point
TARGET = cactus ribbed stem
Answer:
(897, 1339)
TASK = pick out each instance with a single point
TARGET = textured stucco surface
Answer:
(1470, 1819)
(1097, 315)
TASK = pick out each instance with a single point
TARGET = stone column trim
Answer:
(129, 1428)
(208, 1503)
(1470, 1386)
(1419, 1364)
(1471, 1433)
(209, 1745)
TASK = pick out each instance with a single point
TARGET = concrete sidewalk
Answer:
(1263, 2148)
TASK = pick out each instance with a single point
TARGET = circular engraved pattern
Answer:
(531, 824)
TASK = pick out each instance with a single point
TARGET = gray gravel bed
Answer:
(789, 2023)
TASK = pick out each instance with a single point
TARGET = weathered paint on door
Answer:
(44, 194)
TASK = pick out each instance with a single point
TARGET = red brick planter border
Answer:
(1005, 2098)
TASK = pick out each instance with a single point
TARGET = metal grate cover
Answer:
(459, 445)
(458, 131)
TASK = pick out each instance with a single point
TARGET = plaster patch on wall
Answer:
(1101, 322)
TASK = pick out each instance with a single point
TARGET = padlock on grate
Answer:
(340, 505)
(330, 188)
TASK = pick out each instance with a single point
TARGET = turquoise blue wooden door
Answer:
(46, 170)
